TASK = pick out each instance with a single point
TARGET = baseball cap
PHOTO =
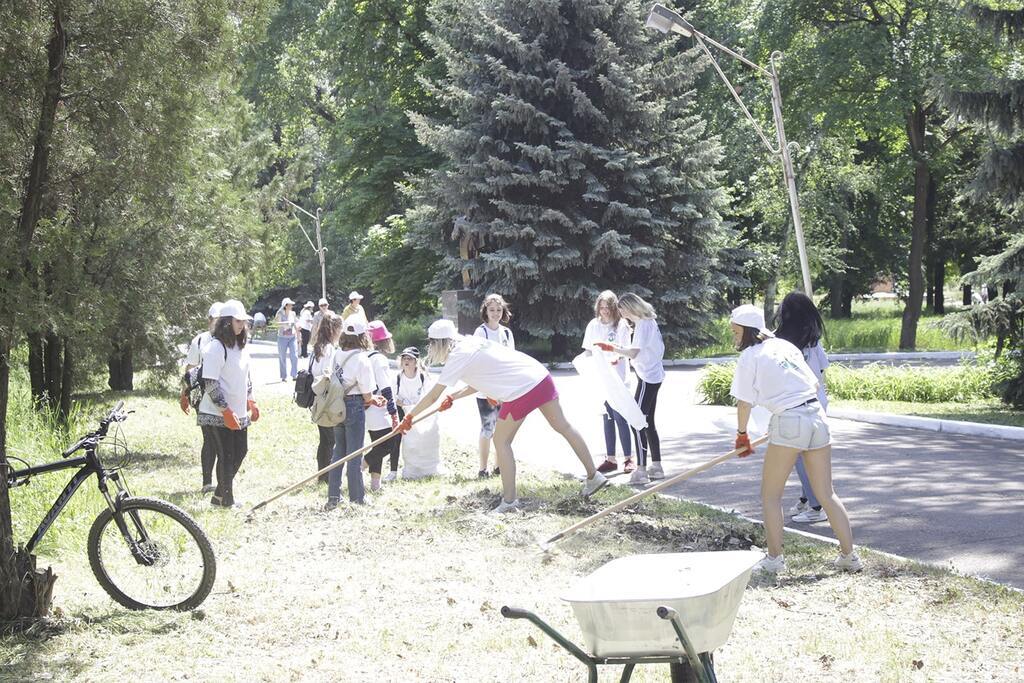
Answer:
(354, 295)
(233, 308)
(322, 302)
(285, 301)
(442, 329)
(355, 325)
(410, 351)
(309, 304)
(215, 309)
(749, 315)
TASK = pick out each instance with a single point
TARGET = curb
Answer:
(894, 356)
(931, 424)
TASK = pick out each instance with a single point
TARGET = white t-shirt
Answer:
(494, 370)
(231, 370)
(817, 361)
(773, 374)
(647, 364)
(194, 357)
(409, 390)
(616, 334)
(502, 335)
(356, 369)
(323, 364)
(306, 319)
(379, 418)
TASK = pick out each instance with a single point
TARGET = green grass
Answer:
(989, 411)
(410, 588)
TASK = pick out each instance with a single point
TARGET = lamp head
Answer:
(663, 19)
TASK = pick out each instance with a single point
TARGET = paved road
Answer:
(939, 498)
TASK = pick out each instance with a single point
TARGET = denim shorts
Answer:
(803, 427)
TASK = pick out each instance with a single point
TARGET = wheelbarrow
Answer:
(671, 608)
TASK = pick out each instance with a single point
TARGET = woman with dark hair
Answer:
(227, 403)
(609, 326)
(772, 373)
(326, 341)
(495, 314)
(799, 322)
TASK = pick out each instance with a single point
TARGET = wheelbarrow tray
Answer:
(616, 604)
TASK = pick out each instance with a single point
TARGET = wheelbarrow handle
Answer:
(515, 613)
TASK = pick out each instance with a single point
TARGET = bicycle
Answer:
(153, 556)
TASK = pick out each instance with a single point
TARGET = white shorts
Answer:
(803, 427)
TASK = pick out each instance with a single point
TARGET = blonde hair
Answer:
(608, 297)
(438, 351)
(385, 346)
(355, 341)
(635, 306)
(506, 313)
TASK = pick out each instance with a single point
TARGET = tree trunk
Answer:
(939, 283)
(36, 374)
(929, 292)
(559, 346)
(52, 368)
(968, 295)
(120, 368)
(770, 290)
(919, 226)
(67, 370)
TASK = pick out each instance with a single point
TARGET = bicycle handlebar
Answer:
(116, 414)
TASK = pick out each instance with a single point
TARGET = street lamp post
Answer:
(663, 19)
(319, 249)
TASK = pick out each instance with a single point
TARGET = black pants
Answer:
(375, 458)
(396, 443)
(232, 445)
(647, 438)
(208, 456)
(304, 352)
(324, 450)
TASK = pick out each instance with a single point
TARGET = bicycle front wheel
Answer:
(151, 555)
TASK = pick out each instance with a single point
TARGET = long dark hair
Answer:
(225, 334)
(798, 321)
(330, 326)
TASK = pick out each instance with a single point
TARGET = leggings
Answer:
(232, 446)
(612, 419)
(647, 438)
(324, 450)
(305, 342)
(376, 455)
(208, 456)
(396, 444)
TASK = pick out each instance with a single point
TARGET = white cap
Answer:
(749, 315)
(442, 329)
(285, 301)
(322, 302)
(354, 295)
(355, 325)
(215, 309)
(233, 308)
(309, 304)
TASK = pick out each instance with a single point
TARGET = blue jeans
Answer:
(286, 350)
(348, 438)
(611, 420)
(805, 482)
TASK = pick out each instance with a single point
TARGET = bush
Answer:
(875, 382)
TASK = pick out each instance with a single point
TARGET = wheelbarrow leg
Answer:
(627, 673)
(568, 645)
(698, 666)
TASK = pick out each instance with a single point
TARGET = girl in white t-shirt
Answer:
(495, 314)
(380, 420)
(193, 359)
(287, 332)
(609, 326)
(352, 369)
(646, 352)
(420, 448)
(328, 333)
(772, 373)
(227, 403)
(306, 328)
(801, 325)
(513, 379)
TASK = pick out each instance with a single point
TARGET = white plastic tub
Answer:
(616, 605)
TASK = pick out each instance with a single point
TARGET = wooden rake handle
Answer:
(675, 479)
(339, 463)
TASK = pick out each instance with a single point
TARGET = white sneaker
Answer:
(809, 516)
(504, 507)
(798, 508)
(771, 565)
(593, 485)
(640, 476)
(654, 471)
(390, 476)
(848, 563)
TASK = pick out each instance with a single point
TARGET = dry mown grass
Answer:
(410, 588)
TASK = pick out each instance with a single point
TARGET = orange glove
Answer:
(230, 419)
(743, 441)
(406, 424)
(183, 402)
(604, 346)
(394, 421)
(254, 412)
(446, 403)
(492, 403)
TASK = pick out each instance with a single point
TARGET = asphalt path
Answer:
(944, 499)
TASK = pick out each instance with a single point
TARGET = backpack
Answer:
(304, 395)
(398, 382)
(508, 334)
(193, 383)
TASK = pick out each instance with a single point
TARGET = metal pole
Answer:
(790, 177)
(320, 252)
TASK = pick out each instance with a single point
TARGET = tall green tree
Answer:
(574, 162)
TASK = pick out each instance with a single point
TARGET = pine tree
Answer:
(575, 162)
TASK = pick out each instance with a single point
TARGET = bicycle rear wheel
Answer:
(151, 555)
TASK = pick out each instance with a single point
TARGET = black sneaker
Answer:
(496, 472)
(482, 474)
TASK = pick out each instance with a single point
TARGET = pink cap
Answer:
(378, 331)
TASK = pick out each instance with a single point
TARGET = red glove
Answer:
(254, 412)
(394, 421)
(604, 346)
(743, 441)
(492, 403)
(446, 403)
(183, 402)
(230, 419)
(406, 424)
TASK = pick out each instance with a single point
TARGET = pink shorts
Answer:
(534, 398)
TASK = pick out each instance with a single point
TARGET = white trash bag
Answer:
(421, 450)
